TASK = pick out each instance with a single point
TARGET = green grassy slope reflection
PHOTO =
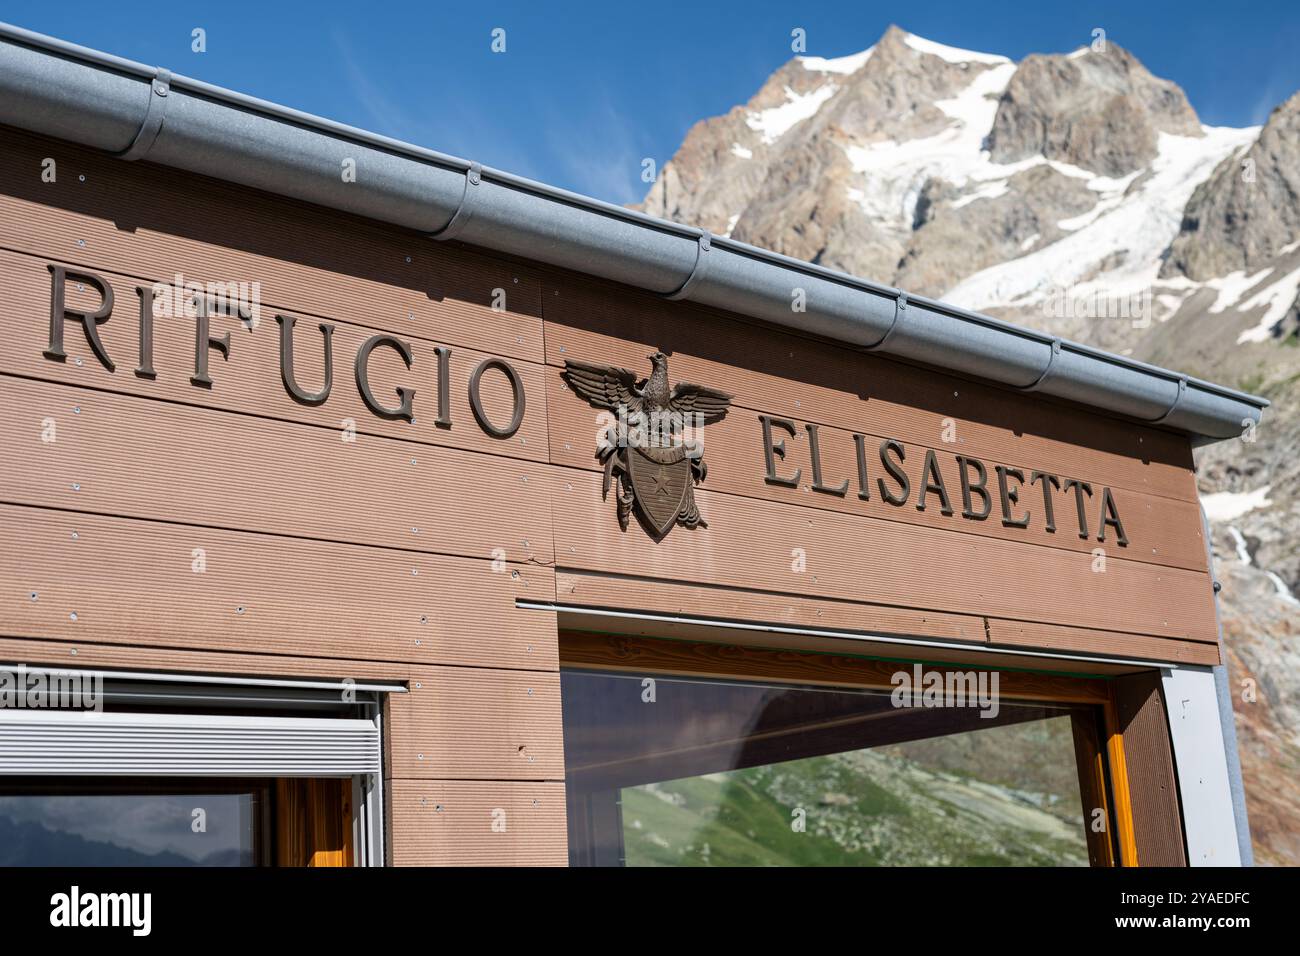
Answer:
(865, 808)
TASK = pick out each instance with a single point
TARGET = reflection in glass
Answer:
(142, 829)
(733, 773)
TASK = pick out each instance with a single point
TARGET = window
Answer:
(128, 823)
(197, 770)
(675, 769)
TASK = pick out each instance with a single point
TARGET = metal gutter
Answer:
(138, 112)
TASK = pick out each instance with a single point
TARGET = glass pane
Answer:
(128, 830)
(686, 772)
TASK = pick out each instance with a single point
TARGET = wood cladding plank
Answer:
(132, 457)
(1148, 758)
(829, 384)
(141, 220)
(669, 597)
(759, 545)
(469, 823)
(589, 590)
(1160, 530)
(170, 660)
(1049, 637)
(79, 577)
(249, 380)
(648, 656)
(475, 723)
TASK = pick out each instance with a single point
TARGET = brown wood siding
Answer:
(806, 380)
(588, 589)
(1148, 759)
(249, 381)
(1161, 530)
(319, 555)
(135, 582)
(470, 823)
(316, 539)
(142, 221)
(143, 657)
(477, 723)
(131, 457)
(1077, 639)
(752, 543)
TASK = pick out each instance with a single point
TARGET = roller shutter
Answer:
(80, 743)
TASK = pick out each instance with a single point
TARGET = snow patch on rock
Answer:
(1134, 231)
(843, 64)
(1279, 297)
(951, 53)
(1239, 543)
(772, 124)
(1230, 505)
(892, 174)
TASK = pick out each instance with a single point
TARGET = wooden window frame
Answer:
(300, 821)
(313, 822)
(1100, 755)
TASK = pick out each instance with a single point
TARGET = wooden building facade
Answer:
(254, 439)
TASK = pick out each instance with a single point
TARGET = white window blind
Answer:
(81, 743)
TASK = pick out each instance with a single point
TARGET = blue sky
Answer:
(585, 91)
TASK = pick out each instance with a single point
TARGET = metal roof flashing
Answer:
(134, 111)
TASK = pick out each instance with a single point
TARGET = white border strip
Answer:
(1192, 702)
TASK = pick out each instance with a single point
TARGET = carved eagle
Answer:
(608, 386)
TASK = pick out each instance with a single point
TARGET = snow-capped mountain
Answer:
(1079, 194)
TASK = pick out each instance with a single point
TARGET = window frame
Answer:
(1099, 743)
(262, 789)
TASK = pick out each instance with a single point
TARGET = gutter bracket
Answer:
(900, 308)
(465, 208)
(702, 248)
(155, 110)
(1182, 390)
(1047, 370)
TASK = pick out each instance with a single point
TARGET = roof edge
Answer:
(74, 93)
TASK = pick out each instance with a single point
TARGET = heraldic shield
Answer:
(656, 474)
(661, 478)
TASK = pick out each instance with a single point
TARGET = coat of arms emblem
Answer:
(653, 449)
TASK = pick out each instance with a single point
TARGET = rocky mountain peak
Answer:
(1248, 212)
(897, 92)
(1100, 110)
(1079, 194)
